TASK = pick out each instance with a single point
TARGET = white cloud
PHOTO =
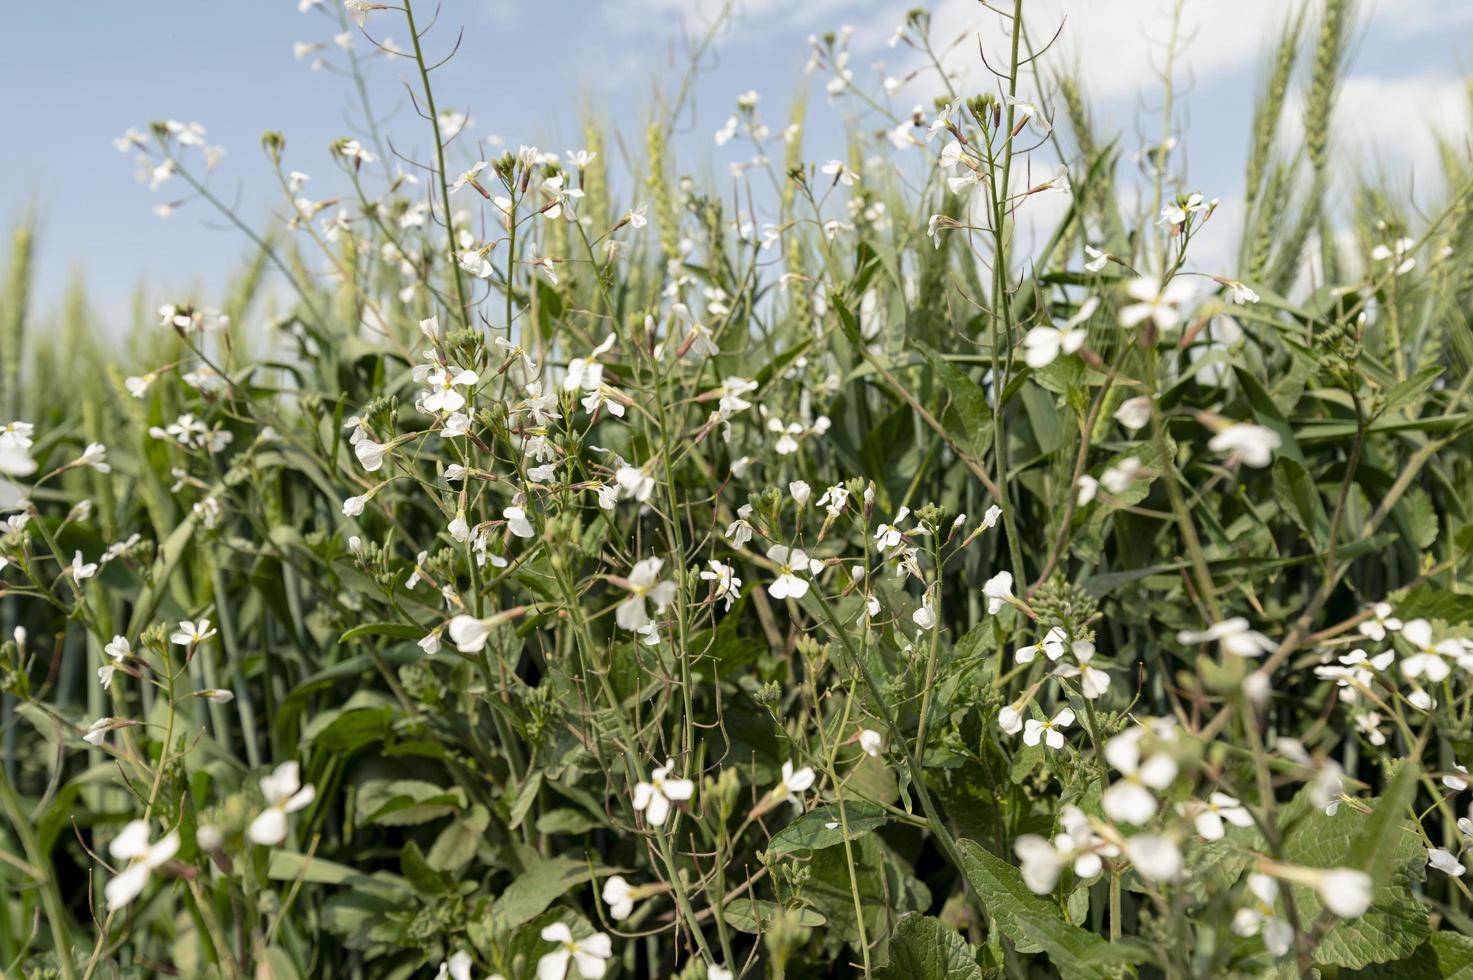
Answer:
(1120, 45)
(1393, 122)
(695, 17)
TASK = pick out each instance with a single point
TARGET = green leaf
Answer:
(1384, 839)
(1378, 842)
(968, 417)
(290, 866)
(925, 948)
(458, 842)
(1421, 516)
(755, 915)
(566, 820)
(532, 891)
(405, 802)
(1024, 916)
(812, 830)
(526, 796)
(1426, 602)
(425, 879)
(1267, 414)
(397, 630)
(1301, 500)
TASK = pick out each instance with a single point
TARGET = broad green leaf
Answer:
(1396, 923)
(969, 417)
(458, 842)
(755, 915)
(532, 891)
(1427, 602)
(1022, 915)
(925, 948)
(823, 827)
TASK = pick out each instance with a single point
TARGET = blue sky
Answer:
(77, 75)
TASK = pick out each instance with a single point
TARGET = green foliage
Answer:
(440, 605)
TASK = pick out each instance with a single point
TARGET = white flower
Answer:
(1026, 113)
(1345, 892)
(1278, 934)
(457, 967)
(1155, 303)
(1253, 444)
(1381, 622)
(138, 857)
(871, 742)
(1118, 477)
(591, 954)
(635, 482)
(1050, 732)
(1040, 863)
(1134, 413)
(841, 174)
(1400, 251)
(1456, 781)
(441, 395)
(97, 731)
(353, 506)
(643, 582)
(469, 177)
(1051, 646)
(889, 535)
(284, 794)
(727, 585)
(370, 454)
(1446, 862)
(1209, 816)
(517, 523)
(717, 972)
(792, 783)
(800, 492)
(1232, 635)
(119, 649)
(990, 518)
(654, 797)
(1042, 860)
(1156, 858)
(998, 590)
(586, 373)
(925, 616)
(1042, 345)
(739, 531)
(1129, 799)
(1093, 682)
(82, 570)
(1097, 259)
(95, 456)
(358, 9)
(190, 633)
(1431, 658)
(790, 561)
(468, 633)
(1240, 293)
(619, 897)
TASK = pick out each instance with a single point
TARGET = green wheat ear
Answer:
(596, 202)
(658, 181)
(1270, 108)
(14, 305)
